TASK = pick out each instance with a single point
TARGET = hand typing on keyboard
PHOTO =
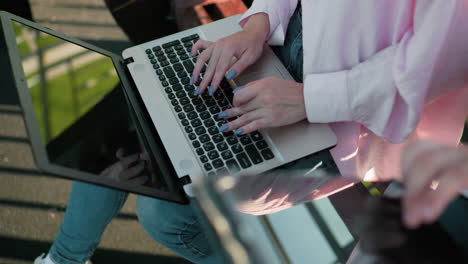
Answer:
(246, 46)
(270, 102)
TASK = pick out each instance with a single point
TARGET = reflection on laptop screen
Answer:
(80, 108)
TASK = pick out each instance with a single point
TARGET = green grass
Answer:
(60, 95)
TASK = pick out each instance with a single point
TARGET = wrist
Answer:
(258, 25)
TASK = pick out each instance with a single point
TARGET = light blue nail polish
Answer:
(223, 128)
(237, 89)
(191, 79)
(197, 91)
(211, 90)
(239, 131)
(190, 54)
(222, 115)
(231, 74)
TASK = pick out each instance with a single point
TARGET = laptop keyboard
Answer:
(219, 152)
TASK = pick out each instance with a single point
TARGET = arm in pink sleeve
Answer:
(279, 12)
(387, 92)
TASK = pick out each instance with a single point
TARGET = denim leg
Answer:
(177, 227)
(90, 209)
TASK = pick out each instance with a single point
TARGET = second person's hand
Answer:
(246, 46)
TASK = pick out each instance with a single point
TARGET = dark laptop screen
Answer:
(78, 102)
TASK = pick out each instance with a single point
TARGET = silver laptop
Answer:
(178, 130)
(160, 70)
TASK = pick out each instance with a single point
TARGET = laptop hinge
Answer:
(127, 61)
(185, 180)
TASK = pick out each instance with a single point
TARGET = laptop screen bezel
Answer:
(175, 192)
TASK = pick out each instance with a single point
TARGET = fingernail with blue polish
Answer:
(190, 54)
(237, 89)
(231, 74)
(197, 91)
(210, 90)
(222, 115)
(239, 131)
(191, 79)
(223, 128)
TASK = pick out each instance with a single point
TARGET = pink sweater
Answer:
(381, 73)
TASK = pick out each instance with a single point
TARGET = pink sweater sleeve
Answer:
(387, 92)
(279, 12)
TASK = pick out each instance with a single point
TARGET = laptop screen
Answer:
(79, 105)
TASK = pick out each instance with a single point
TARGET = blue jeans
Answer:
(91, 208)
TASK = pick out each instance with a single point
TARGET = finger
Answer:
(449, 187)
(243, 94)
(245, 60)
(221, 69)
(202, 59)
(120, 153)
(210, 70)
(241, 121)
(200, 44)
(252, 126)
(239, 110)
(139, 180)
(426, 167)
(132, 172)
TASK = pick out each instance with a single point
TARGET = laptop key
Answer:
(162, 58)
(208, 166)
(237, 148)
(184, 57)
(169, 72)
(191, 115)
(208, 146)
(226, 154)
(164, 63)
(196, 144)
(218, 138)
(148, 51)
(173, 80)
(213, 130)
(153, 61)
(182, 74)
(196, 123)
(192, 136)
(214, 110)
(156, 66)
(177, 87)
(243, 160)
(261, 144)
(184, 101)
(185, 80)
(232, 166)
(185, 122)
(165, 83)
(172, 55)
(222, 146)
(156, 48)
(213, 154)
(168, 90)
(181, 52)
(181, 116)
(200, 108)
(253, 154)
(200, 130)
(168, 50)
(188, 44)
(210, 102)
(188, 129)
(181, 94)
(218, 163)
(162, 78)
(174, 102)
(198, 101)
(189, 88)
(204, 115)
(178, 108)
(159, 53)
(209, 122)
(267, 154)
(188, 65)
(232, 140)
(204, 138)
(222, 172)
(188, 108)
(150, 56)
(256, 136)
(178, 67)
(200, 151)
(171, 96)
(245, 140)
(159, 72)
(174, 60)
(204, 159)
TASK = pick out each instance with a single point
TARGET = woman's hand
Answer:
(270, 102)
(433, 175)
(131, 168)
(246, 46)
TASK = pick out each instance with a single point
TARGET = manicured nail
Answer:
(197, 91)
(239, 131)
(231, 74)
(191, 79)
(223, 128)
(190, 54)
(222, 115)
(211, 90)
(237, 89)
